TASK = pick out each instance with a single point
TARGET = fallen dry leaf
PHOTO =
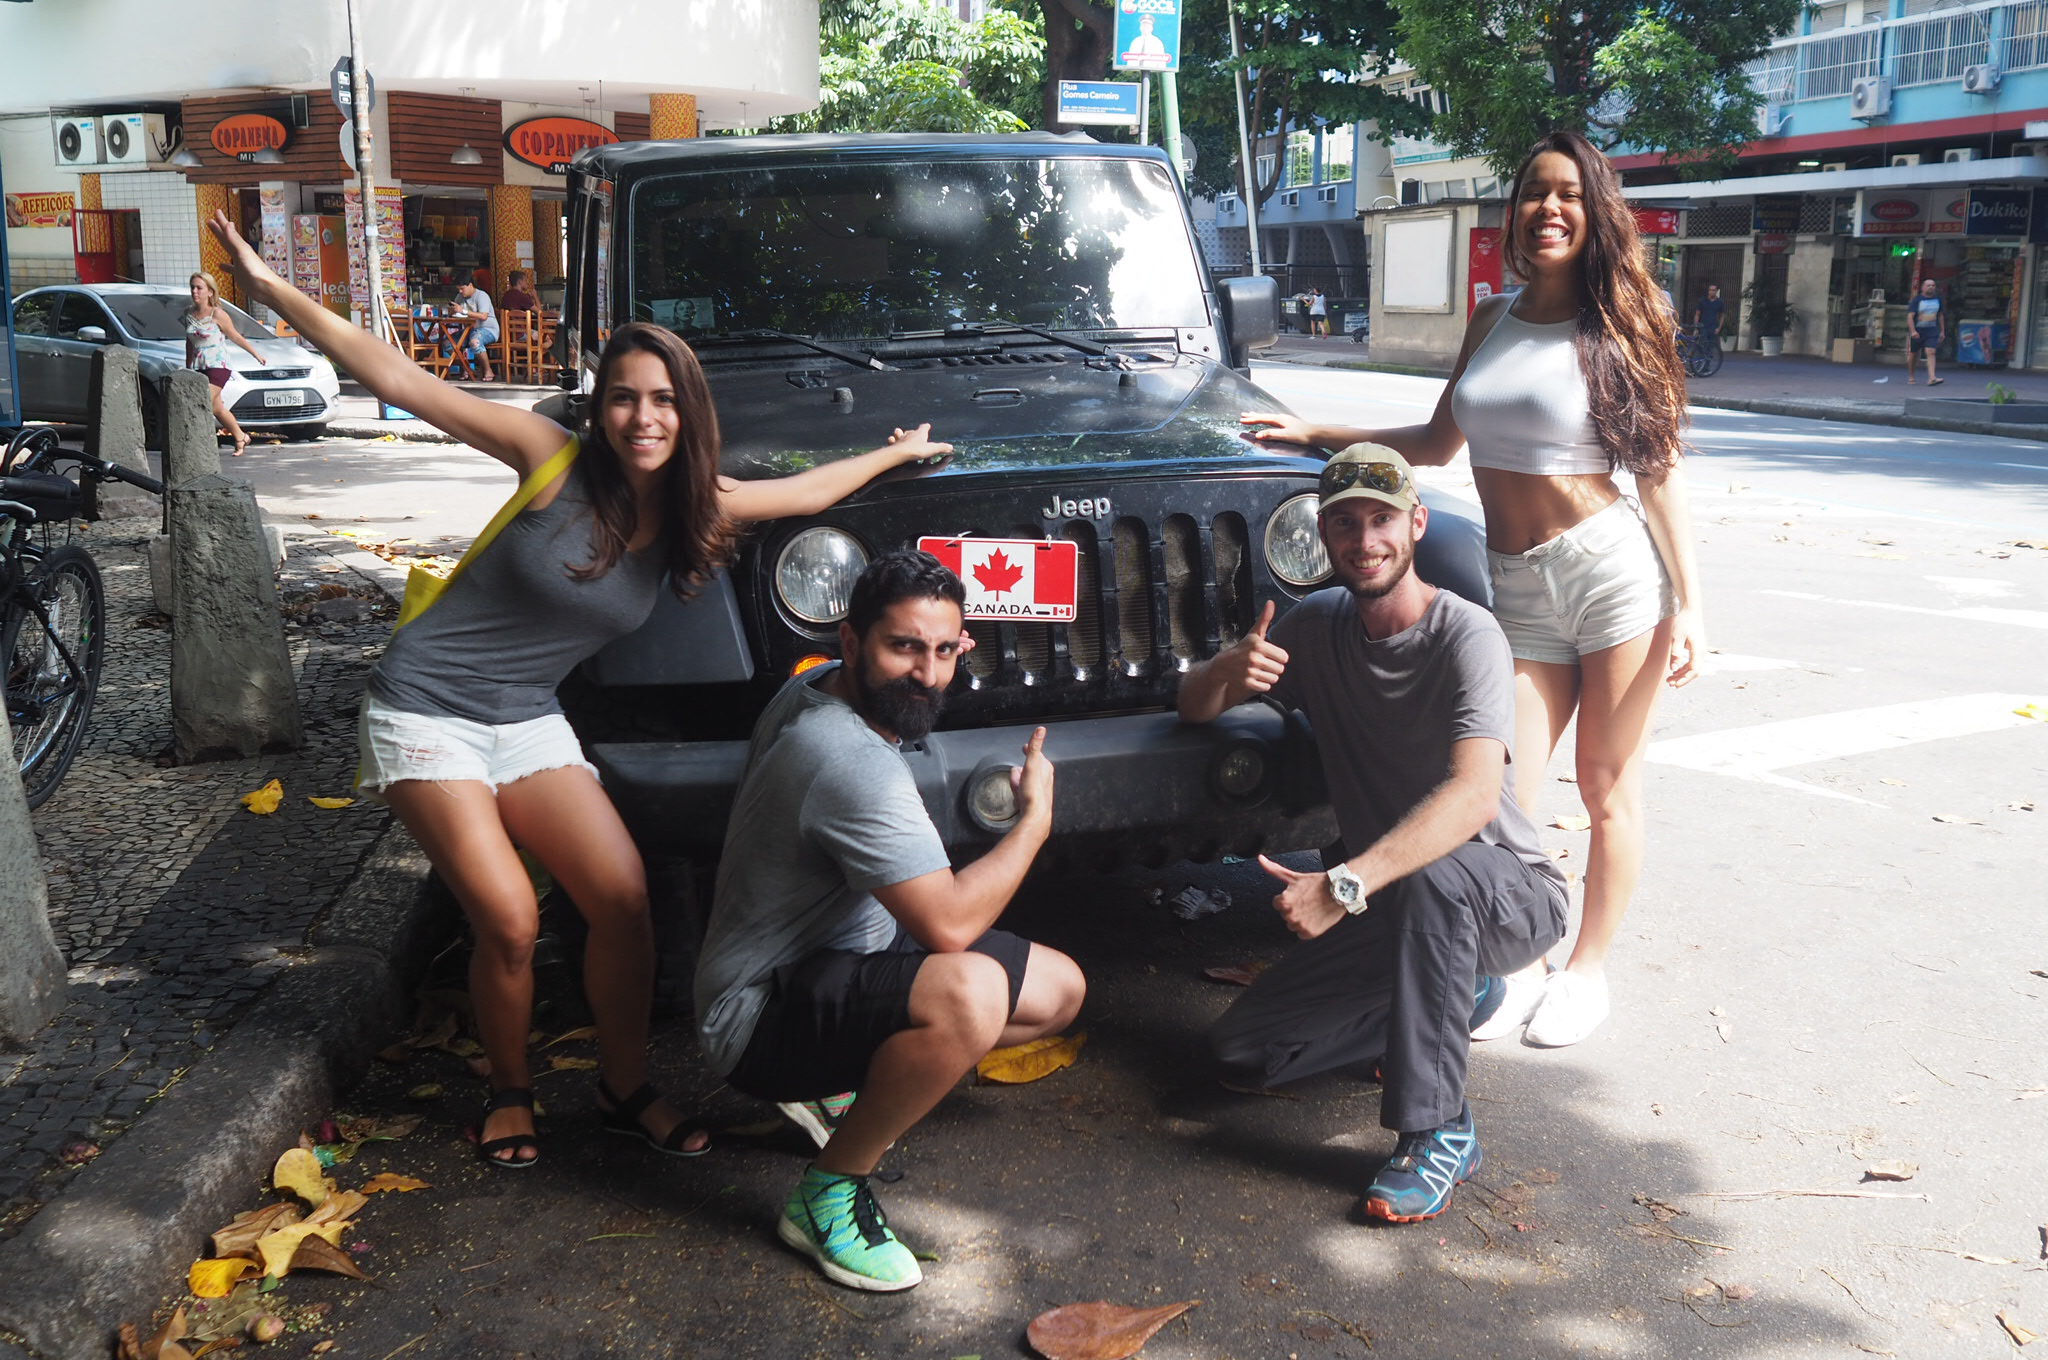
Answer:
(1896, 783)
(1543, 1175)
(1736, 1293)
(162, 1346)
(572, 1036)
(1235, 976)
(1029, 1062)
(225, 1319)
(2027, 806)
(429, 1090)
(298, 1171)
(367, 1128)
(240, 1236)
(317, 1253)
(341, 1206)
(2020, 1335)
(1571, 821)
(2034, 711)
(264, 801)
(2040, 543)
(1098, 1331)
(1890, 1171)
(1659, 1210)
(1725, 1030)
(391, 1180)
(217, 1278)
(565, 1064)
(280, 1247)
(330, 803)
(1956, 818)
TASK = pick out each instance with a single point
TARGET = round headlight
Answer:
(815, 573)
(1294, 550)
(1241, 772)
(990, 799)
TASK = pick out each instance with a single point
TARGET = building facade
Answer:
(126, 123)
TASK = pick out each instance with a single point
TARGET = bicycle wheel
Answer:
(1710, 362)
(48, 698)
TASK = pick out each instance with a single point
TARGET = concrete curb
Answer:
(109, 1248)
(378, 429)
(1840, 412)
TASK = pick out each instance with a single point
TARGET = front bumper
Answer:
(1143, 787)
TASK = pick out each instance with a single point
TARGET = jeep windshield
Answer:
(866, 249)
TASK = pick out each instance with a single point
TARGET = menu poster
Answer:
(277, 247)
(390, 251)
(305, 275)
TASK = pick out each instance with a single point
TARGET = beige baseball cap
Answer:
(1365, 469)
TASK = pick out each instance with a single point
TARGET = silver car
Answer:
(56, 329)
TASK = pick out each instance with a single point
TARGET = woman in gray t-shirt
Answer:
(460, 733)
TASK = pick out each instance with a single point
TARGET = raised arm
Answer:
(511, 435)
(808, 492)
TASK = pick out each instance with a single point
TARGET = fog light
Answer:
(1240, 774)
(809, 663)
(991, 802)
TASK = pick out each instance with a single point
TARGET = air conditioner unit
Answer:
(78, 142)
(1905, 158)
(1770, 120)
(135, 140)
(2030, 148)
(1870, 97)
(1957, 154)
(1982, 79)
(1291, 199)
(1833, 165)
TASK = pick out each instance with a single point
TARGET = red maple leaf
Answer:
(997, 575)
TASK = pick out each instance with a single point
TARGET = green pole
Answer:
(1169, 99)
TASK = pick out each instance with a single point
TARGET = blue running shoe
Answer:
(1416, 1184)
(1487, 994)
(835, 1221)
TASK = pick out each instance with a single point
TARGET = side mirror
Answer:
(93, 335)
(1251, 314)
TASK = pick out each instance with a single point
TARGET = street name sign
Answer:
(1112, 103)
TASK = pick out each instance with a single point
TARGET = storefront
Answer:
(1971, 243)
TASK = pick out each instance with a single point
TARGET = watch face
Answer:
(1344, 885)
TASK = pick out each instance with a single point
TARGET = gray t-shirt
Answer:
(826, 813)
(1386, 713)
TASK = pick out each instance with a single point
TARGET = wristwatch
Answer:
(1348, 888)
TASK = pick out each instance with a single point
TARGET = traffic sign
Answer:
(340, 87)
(1112, 103)
(1147, 35)
(348, 141)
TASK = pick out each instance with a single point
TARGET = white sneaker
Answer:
(1525, 994)
(1572, 1008)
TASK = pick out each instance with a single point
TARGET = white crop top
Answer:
(1522, 401)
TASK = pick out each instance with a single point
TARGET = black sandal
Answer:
(624, 1118)
(488, 1149)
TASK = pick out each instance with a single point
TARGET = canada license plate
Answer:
(1013, 578)
(284, 397)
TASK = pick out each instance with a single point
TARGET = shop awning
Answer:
(2013, 170)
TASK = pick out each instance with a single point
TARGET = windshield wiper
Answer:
(858, 358)
(975, 328)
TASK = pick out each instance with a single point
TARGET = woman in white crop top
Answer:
(1556, 388)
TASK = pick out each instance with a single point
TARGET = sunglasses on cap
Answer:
(1382, 477)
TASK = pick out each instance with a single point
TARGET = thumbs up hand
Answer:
(1305, 902)
(1252, 664)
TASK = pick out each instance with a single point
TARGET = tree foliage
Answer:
(1667, 79)
(910, 66)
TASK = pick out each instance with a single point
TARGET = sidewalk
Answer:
(229, 973)
(1789, 385)
(358, 415)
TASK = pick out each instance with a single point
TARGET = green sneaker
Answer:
(835, 1221)
(818, 1118)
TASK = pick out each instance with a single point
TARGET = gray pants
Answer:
(1395, 984)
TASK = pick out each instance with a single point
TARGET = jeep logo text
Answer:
(1095, 508)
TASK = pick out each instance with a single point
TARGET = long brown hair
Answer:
(700, 537)
(1635, 382)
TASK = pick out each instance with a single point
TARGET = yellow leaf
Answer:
(2034, 711)
(264, 801)
(570, 1036)
(299, 1172)
(391, 1180)
(572, 1064)
(330, 803)
(341, 1206)
(216, 1279)
(239, 1237)
(1029, 1062)
(279, 1247)
(1571, 821)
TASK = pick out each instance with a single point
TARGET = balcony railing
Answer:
(1923, 50)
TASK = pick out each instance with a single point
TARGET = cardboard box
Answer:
(1852, 352)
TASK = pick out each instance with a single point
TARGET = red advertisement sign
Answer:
(1948, 212)
(39, 210)
(1483, 266)
(1013, 578)
(1891, 212)
(1657, 221)
(551, 143)
(246, 134)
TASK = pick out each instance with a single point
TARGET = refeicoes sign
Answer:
(550, 143)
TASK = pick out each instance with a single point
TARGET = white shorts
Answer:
(393, 746)
(1597, 584)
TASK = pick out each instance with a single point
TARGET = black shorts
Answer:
(827, 1014)
(1925, 338)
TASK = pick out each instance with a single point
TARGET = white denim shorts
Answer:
(394, 746)
(1597, 584)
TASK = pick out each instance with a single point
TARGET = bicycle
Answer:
(1701, 353)
(53, 611)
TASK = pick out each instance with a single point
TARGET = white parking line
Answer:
(2016, 618)
(1757, 753)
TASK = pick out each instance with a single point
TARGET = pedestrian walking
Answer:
(1930, 328)
(460, 731)
(1558, 388)
(1318, 313)
(208, 331)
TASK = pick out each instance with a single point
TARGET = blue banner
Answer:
(1109, 102)
(1998, 212)
(1147, 35)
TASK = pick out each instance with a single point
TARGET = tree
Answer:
(910, 66)
(1668, 79)
(1078, 36)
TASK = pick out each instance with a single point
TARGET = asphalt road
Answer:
(1836, 960)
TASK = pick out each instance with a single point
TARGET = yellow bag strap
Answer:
(528, 489)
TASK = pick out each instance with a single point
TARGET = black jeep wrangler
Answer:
(1041, 301)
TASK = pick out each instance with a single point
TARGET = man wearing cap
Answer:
(1410, 689)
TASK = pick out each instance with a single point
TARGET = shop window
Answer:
(447, 239)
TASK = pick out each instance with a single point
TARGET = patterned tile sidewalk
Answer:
(175, 907)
